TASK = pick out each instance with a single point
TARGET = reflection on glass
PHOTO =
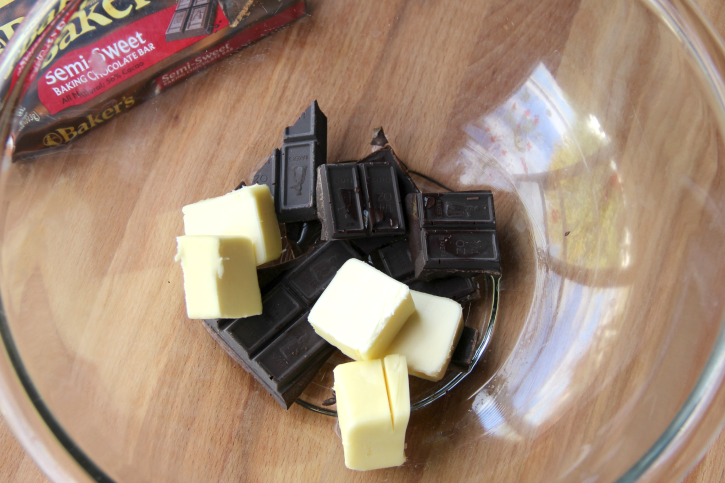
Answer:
(559, 163)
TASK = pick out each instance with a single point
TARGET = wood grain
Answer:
(119, 339)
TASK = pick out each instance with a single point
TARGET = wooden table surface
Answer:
(16, 466)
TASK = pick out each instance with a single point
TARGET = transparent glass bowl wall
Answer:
(597, 125)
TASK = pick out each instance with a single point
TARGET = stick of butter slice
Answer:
(220, 277)
(373, 409)
(247, 212)
(428, 338)
(361, 311)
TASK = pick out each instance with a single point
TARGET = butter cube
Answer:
(428, 338)
(373, 419)
(361, 311)
(395, 367)
(220, 277)
(246, 212)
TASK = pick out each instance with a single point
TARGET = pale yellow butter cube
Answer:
(246, 212)
(372, 423)
(395, 367)
(428, 338)
(361, 311)
(220, 277)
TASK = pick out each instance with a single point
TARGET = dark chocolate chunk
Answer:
(462, 357)
(268, 275)
(379, 138)
(386, 155)
(304, 148)
(297, 378)
(303, 235)
(368, 245)
(290, 353)
(311, 277)
(218, 324)
(267, 174)
(382, 199)
(311, 126)
(297, 181)
(446, 251)
(339, 204)
(467, 209)
(457, 288)
(280, 348)
(279, 308)
(397, 261)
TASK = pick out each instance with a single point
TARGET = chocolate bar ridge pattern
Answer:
(279, 347)
(268, 174)
(453, 234)
(382, 199)
(339, 204)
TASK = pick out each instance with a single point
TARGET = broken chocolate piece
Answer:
(279, 308)
(310, 126)
(470, 210)
(397, 261)
(368, 245)
(303, 235)
(460, 289)
(291, 352)
(382, 199)
(339, 204)
(268, 275)
(301, 366)
(311, 277)
(386, 155)
(379, 138)
(452, 234)
(279, 347)
(462, 357)
(267, 174)
(304, 149)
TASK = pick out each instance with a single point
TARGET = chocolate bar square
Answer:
(292, 352)
(297, 180)
(470, 210)
(397, 261)
(304, 149)
(406, 184)
(279, 308)
(309, 279)
(382, 199)
(453, 235)
(462, 357)
(339, 204)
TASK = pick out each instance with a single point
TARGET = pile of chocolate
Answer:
(437, 243)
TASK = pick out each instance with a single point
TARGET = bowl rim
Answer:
(61, 459)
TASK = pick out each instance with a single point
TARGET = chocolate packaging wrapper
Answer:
(106, 56)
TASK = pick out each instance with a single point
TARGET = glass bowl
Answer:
(599, 127)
